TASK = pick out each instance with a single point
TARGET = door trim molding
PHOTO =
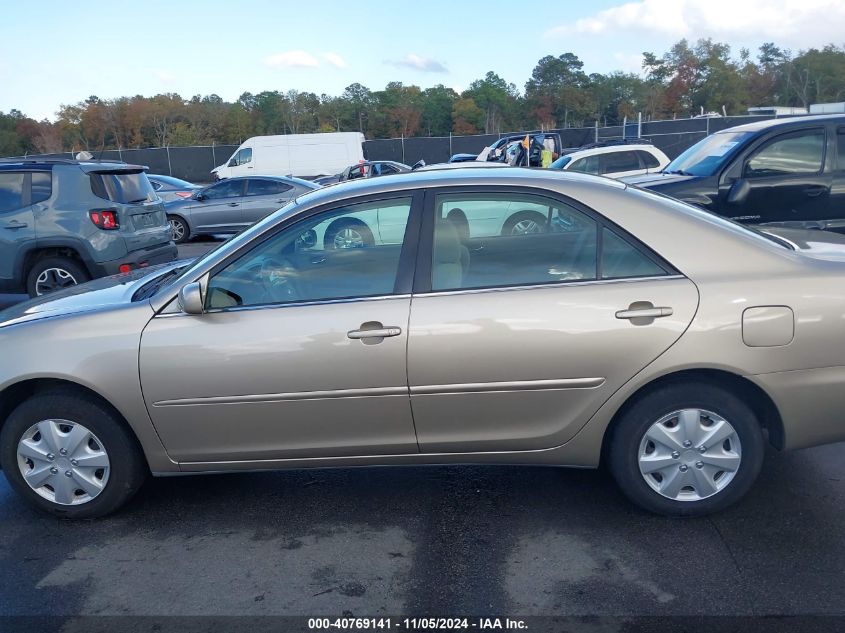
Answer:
(280, 397)
(509, 385)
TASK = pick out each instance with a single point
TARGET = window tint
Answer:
(649, 160)
(42, 186)
(799, 153)
(619, 259)
(259, 187)
(122, 186)
(382, 169)
(305, 263)
(586, 165)
(11, 191)
(225, 189)
(156, 185)
(840, 149)
(243, 157)
(484, 240)
(615, 162)
(357, 172)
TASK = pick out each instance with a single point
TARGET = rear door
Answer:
(837, 190)
(220, 208)
(620, 163)
(516, 340)
(263, 196)
(17, 222)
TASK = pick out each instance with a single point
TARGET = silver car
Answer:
(231, 205)
(632, 330)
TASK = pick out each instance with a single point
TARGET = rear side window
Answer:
(621, 260)
(123, 187)
(266, 187)
(797, 153)
(615, 162)
(42, 186)
(587, 165)
(649, 160)
(11, 191)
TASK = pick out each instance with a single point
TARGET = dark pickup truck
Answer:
(781, 172)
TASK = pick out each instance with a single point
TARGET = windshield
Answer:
(561, 162)
(123, 187)
(707, 156)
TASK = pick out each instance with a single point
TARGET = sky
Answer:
(54, 53)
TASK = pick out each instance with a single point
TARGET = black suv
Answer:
(781, 172)
(63, 222)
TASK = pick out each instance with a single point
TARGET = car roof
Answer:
(287, 179)
(609, 149)
(758, 126)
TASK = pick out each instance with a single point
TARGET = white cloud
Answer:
(291, 59)
(335, 60)
(799, 23)
(417, 62)
(164, 76)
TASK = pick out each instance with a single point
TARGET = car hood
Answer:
(98, 294)
(657, 179)
(811, 242)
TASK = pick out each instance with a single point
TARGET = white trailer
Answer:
(300, 155)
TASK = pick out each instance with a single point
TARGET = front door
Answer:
(301, 353)
(218, 208)
(17, 223)
(520, 338)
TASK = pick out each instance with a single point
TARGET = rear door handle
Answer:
(644, 313)
(383, 332)
(15, 225)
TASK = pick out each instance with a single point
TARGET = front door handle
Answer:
(234, 204)
(815, 191)
(374, 330)
(644, 310)
(15, 225)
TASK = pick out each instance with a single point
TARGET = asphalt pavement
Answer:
(433, 541)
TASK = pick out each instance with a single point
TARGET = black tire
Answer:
(523, 216)
(185, 235)
(75, 271)
(340, 225)
(127, 467)
(631, 426)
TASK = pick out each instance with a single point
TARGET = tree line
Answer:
(685, 80)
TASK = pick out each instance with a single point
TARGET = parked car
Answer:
(497, 152)
(301, 155)
(169, 188)
(68, 221)
(231, 205)
(365, 169)
(783, 172)
(642, 333)
(614, 160)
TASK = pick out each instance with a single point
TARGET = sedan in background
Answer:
(231, 205)
(365, 169)
(169, 188)
(632, 330)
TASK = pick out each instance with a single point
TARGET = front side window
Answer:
(11, 191)
(488, 240)
(225, 189)
(648, 159)
(799, 153)
(587, 165)
(242, 157)
(300, 264)
(260, 187)
(617, 162)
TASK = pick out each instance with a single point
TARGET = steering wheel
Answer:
(278, 278)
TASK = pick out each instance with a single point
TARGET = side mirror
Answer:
(190, 299)
(418, 164)
(739, 191)
(199, 195)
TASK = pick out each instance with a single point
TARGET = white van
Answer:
(300, 155)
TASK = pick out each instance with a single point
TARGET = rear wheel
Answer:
(348, 233)
(54, 273)
(68, 455)
(179, 230)
(525, 223)
(686, 449)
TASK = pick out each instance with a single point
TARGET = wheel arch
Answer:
(753, 395)
(16, 393)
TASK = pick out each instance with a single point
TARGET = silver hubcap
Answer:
(689, 455)
(53, 279)
(177, 230)
(525, 227)
(63, 462)
(348, 238)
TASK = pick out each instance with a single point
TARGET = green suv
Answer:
(63, 222)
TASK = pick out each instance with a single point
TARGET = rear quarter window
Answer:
(42, 186)
(123, 187)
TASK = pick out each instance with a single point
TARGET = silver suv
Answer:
(63, 222)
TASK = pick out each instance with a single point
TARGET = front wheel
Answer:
(686, 449)
(68, 455)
